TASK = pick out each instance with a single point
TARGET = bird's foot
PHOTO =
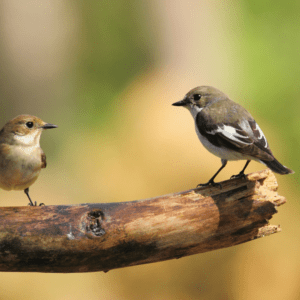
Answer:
(240, 175)
(35, 204)
(210, 182)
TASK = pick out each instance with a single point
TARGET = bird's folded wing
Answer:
(43, 159)
(234, 137)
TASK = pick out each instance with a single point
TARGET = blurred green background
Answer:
(107, 72)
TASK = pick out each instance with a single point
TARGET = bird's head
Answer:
(198, 98)
(24, 130)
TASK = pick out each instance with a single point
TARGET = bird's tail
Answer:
(277, 167)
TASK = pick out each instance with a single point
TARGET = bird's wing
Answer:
(246, 138)
(43, 159)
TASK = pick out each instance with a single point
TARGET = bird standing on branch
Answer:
(228, 131)
(21, 157)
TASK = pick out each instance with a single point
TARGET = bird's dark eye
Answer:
(197, 97)
(29, 124)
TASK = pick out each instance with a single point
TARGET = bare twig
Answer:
(101, 237)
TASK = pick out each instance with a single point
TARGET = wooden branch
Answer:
(101, 237)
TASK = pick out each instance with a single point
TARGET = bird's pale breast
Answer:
(19, 166)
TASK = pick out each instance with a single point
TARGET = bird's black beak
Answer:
(183, 102)
(49, 126)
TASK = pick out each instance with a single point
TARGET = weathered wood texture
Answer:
(101, 237)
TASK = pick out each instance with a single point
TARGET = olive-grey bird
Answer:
(227, 130)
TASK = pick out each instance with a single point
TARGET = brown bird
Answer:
(21, 157)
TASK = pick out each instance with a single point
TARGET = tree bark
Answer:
(105, 236)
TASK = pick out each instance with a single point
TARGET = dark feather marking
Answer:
(259, 140)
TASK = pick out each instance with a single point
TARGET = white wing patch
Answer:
(231, 133)
(261, 135)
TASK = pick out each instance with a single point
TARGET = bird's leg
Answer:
(26, 191)
(241, 174)
(211, 181)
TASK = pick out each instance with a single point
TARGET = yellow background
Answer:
(107, 72)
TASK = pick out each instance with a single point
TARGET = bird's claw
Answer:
(211, 182)
(240, 175)
(35, 204)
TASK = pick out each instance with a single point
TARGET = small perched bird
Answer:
(228, 131)
(21, 157)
